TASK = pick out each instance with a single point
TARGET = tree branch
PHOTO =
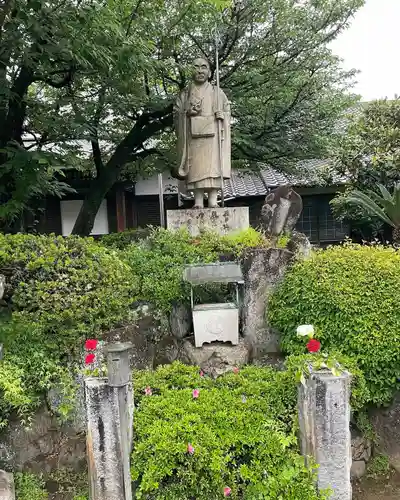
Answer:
(132, 16)
(17, 107)
(64, 82)
(98, 161)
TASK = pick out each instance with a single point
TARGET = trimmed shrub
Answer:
(125, 238)
(350, 294)
(159, 261)
(66, 284)
(59, 291)
(241, 429)
(29, 487)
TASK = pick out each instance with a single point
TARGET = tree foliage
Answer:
(90, 84)
(368, 154)
(350, 294)
(385, 206)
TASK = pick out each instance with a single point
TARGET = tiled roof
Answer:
(308, 173)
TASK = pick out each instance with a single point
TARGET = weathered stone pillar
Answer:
(7, 489)
(263, 269)
(324, 418)
(109, 406)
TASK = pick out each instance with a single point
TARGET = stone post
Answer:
(324, 419)
(109, 407)
(7, 489)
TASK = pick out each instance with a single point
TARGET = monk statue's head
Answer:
(201, 70)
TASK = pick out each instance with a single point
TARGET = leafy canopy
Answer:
(88, 85)
(368, 154)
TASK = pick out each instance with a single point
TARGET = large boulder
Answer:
(153, 343)
(386, 424)
(300, 245)
(217, 358)
(361, 451)
(46, 446)
(180, 321)
(263, 269)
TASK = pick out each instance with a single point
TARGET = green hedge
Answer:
(350, 294)
(30, 487)
(125, 238)
(241, 428)
(158, 261)
(60, 291)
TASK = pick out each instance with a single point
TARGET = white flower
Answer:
(305, 331)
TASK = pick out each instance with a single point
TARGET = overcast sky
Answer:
(372, 45)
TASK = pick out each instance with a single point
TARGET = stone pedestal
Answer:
(7, 490)
(221, 220)
(324, 419)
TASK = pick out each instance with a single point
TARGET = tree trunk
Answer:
(145, 128)
(396, 236)
(99, 188)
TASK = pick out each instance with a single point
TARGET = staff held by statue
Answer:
(220, 128)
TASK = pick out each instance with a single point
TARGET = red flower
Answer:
(201, 373)
(227, 491)
(190, 449)
(235, 370)
(148, 391)
(195, 393)
(91, 344)
(313, 345)
(89, 359)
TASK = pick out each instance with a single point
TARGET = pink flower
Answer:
(201, 373)
(236, 370)
(227, 491)
(91, 344)
(190, 449)
(89, 359)
(148, 391)
(196, 393)
(313, 345)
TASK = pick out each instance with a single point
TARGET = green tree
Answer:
(104, 74)
(367, 154)
(386, 207)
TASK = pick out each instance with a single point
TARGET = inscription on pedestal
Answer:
(221, 220)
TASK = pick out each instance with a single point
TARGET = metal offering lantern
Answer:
(217, 321)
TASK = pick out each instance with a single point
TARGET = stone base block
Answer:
(217, 358)
(221, 220)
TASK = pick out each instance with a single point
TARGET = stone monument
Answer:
(202, 121)
(281, 211)
(203, 127)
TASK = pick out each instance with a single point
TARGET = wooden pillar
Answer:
(121, 210)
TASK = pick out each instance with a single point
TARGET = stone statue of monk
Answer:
(202, 119)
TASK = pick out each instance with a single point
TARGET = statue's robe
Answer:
(198, 150)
